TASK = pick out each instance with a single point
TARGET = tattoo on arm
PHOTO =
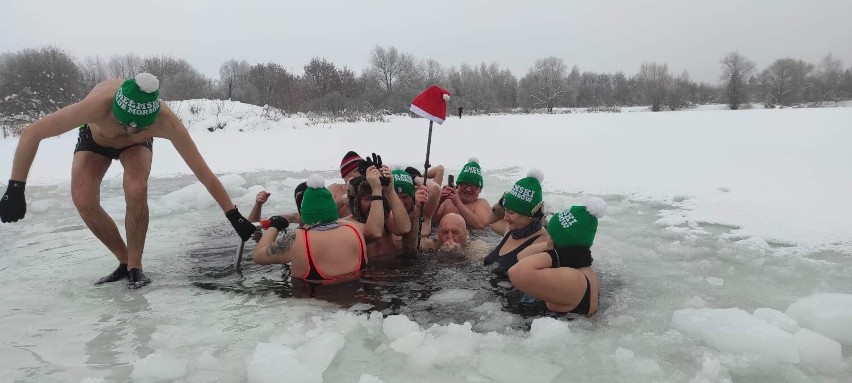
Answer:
(283, 244)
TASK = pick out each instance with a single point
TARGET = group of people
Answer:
(377, 212)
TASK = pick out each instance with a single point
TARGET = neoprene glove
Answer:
(243, 227)
(279, 223)
(13, 205)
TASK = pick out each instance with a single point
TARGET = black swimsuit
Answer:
(85, 143)
(575, 257)
(506, 261)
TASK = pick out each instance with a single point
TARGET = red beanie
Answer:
(350, 162)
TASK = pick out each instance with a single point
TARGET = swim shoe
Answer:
(136, 279)
(117, 275)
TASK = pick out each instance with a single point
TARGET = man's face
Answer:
(468, 193)
(364, 202)
(452, 232)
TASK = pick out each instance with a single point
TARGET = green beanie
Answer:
(525, 196)
(577, 226)
(137, 102)
(402, 182)
(317, 203)
(471, 173)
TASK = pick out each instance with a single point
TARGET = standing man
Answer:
(118, 120)
(461, 108)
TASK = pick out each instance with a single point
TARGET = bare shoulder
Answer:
(168, 125)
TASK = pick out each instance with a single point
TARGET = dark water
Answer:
(399, 286)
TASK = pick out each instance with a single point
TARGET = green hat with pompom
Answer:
(137, 102)
(402, 181)
(578, 225)
(471, 173)
(317, 202)
(525, 196)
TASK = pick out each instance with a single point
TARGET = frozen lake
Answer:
(438, 319)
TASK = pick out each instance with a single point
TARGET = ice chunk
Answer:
(272, 362)
(93, 380)
(737, 331)
(398, 326)
(777, 318)
(828, 314)
(711, 371)
(756, 243)
(695, 302)
(158, 367)
(715, 281)
(818, 350)
(549, 332)
(452, 296)
(513, 368)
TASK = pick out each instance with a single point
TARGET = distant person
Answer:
(521, 223)
(463, 198)
(326, 249)
(117, 120)
(350, 167)
(559, 271)
(460, 111)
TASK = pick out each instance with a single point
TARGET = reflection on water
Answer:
(429, 288)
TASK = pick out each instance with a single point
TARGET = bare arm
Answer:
(399, 223)
(52, 125)
(338, 191)
(259, 200)
(270, 250)
(184, 145)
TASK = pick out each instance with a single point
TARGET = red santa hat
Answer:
(431, 104)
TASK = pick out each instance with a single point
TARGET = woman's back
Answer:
(328, 253)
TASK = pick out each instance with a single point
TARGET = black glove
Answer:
(374, 160)
(279, 223)
(13, 205)
(243, 227)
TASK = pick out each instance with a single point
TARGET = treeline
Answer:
(37, 81)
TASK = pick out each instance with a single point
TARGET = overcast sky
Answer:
(596, 35)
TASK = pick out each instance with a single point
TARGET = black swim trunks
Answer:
(85, 143)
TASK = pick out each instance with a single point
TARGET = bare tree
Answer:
(654, 80)
(232, 76)
(785, 81)
(396, 76)
(434, 73)
(93, 70)
(546, 83)
(124, 66)
(736, 70)
(323, 77)
(36, 82)
(678, 93)
(179, 80)
(829, 75)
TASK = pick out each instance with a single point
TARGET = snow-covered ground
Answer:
(725, 256)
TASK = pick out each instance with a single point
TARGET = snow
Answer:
(712, 215)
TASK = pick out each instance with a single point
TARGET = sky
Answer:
(601, 36)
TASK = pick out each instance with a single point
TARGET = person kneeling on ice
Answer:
(117, 120)
(559, 272)
(326, 248)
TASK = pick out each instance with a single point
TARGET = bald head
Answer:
(452, 230)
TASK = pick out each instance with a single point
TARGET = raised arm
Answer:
(399, 223)
(375, 225)
(270, 250)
